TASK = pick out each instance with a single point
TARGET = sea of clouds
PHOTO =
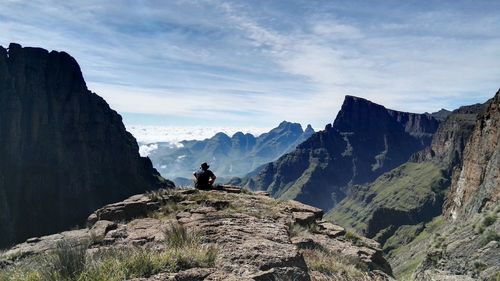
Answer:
(147, 135)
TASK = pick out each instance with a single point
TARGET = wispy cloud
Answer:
(239, 63)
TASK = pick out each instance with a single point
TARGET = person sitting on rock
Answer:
(204, 178)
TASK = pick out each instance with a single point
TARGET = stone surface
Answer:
(331, 229)
(251, 234)
(64, 152)
(304, 218)
(135, 206)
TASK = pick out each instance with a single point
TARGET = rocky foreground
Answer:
(200, 235)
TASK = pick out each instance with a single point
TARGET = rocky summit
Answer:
(229, 234)
(64, 152)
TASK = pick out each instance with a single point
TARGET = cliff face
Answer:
(469, 240)
(365, 141)
(449, 141)
(61, 146)
(478, 182)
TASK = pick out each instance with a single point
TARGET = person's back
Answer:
(204, 177)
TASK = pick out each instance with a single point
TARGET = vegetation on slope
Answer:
(409, 194)
(70, 261)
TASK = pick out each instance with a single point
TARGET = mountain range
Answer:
(228, 156)
(425, 186)
(365, 141)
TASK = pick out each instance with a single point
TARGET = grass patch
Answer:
(489, 236)
(337, 267)
(295, 230)
(404, 188)
(260, 207)
(168, 210)
(67, 260)
(177, 236)
(70, 262)
(353, 237)
(409, 267)
(489, 219)
(423, 240)
(402, 236)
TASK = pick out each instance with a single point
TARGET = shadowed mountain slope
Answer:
(63, 151)
(365, 140)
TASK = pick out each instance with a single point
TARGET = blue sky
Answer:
(255, 63)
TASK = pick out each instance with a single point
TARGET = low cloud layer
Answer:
(152, 134)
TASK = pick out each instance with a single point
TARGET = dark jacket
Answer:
(202, 178)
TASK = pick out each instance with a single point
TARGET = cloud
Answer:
(235, 63)
(145, 150)
(147, 135)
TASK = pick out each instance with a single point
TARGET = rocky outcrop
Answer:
(63, 151)
(255, 237)
(478, 183)
(365, 141)
(225, 153)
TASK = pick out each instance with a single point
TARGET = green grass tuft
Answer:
(337, 267)
(70, 262)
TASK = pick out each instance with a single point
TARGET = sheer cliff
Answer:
(63, 151)
(478, 182)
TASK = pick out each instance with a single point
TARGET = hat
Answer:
(205, 166)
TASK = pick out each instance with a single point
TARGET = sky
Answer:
(251, 64)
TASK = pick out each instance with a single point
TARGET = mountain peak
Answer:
(57, 63)
(309, 129)
(285, 124)
(288, 126)
(221, 135)
(361, 115)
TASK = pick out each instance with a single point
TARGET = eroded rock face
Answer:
(63, 151)
(254, 236)
(452, 135)
(478, 183)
